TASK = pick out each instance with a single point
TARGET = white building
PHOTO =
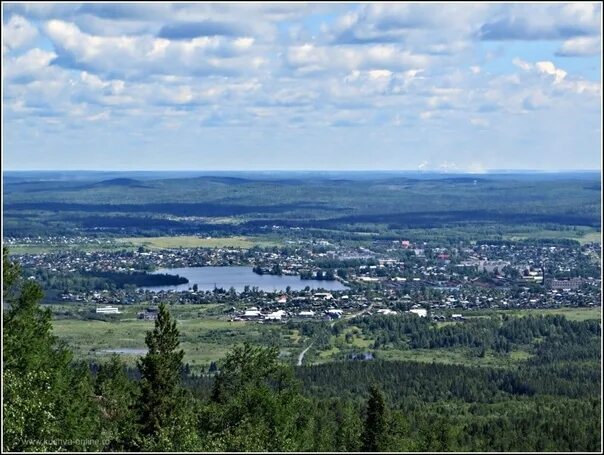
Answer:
(421, 312)
(253, 312)
(108, 310)
(306, 314)
(386, 311)
(275, 316)
(334, 313)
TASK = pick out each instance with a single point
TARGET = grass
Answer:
(203, 339)
(192, 241)
(572, 314)
(581, 234)
(207, 335)
(39, 249)
(460, 356)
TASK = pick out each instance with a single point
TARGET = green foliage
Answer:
(375, 428)
(47, 402)
(116, 397)
(254, 402)
(163, 408)
(255, 392)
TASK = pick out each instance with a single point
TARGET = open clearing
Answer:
(192, 241)
(581, 234)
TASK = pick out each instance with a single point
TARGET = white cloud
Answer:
(581, 46)
(31, 64)
(18, 33)
(146, 55)
(417, 69)
(308, 58)
(526, 66)
(549, 68)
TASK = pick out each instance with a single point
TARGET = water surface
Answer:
(208, 278)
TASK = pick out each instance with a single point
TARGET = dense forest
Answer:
(251, 401)
(99, 280)
(252, 205)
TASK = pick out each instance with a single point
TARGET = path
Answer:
(350, 316)
(301, 356)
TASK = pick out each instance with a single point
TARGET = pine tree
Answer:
(165, 416)
(374, 431)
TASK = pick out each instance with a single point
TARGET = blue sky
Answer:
(317, 86)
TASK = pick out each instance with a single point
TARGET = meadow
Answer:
(192, 241)
(207, 335)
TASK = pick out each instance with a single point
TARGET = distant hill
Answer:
(121, 182)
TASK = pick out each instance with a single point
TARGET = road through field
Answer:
(303, 353)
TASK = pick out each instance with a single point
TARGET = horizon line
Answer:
(442, 171)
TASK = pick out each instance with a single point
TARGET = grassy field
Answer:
(581, 234)
(38, 249)
(203, 338)
(192, 241)
(207, 335)
(573, 314)
(459, 356)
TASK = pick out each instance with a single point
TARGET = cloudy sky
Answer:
(222, 86)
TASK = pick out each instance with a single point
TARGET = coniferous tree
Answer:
(165, 414)
(255, 404)
(48, 404)
(374, 431)
(115, 394)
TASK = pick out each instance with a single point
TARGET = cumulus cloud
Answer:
(18, 32)
(144, 55)
(581, 46)
(418, 69)
(28, 65)
(309, 58)
(543, 22)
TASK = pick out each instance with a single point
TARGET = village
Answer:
(392, 277)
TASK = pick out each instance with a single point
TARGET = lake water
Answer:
(208, 278)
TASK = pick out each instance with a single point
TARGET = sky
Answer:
(302, 86)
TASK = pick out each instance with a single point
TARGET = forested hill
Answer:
(250, 202)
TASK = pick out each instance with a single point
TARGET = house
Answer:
(282, 299)
(369, 279)
(386, 311)
(363, 356)
(150, 314)
(306, 314)
(573, 283)
(252, 313)
(107, 310)
(334, 313)
(323, 295)
(275, 316)
(421, 312)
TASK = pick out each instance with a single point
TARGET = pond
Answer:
(209, 278)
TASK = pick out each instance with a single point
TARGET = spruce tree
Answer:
(374, 431)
